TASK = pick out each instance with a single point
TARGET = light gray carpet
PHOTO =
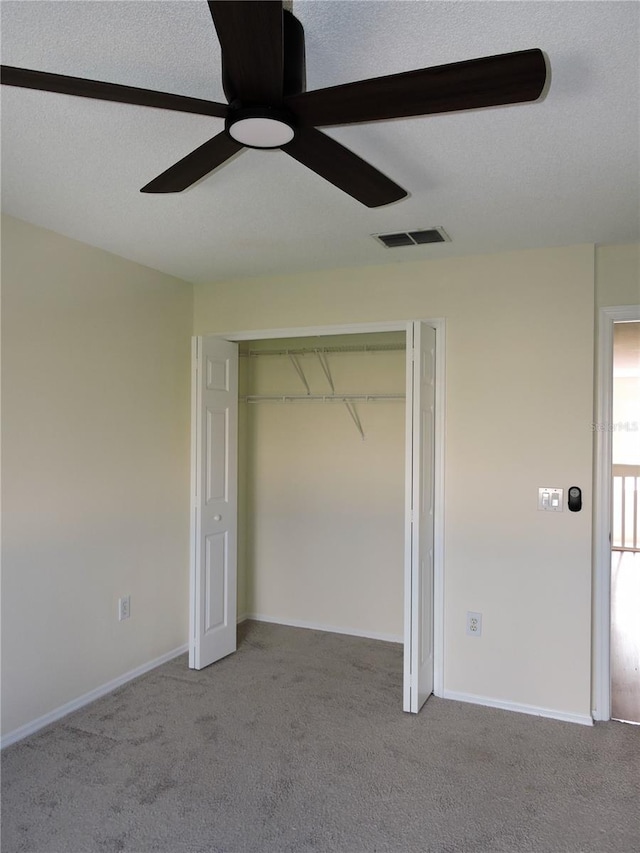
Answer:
(297, 743)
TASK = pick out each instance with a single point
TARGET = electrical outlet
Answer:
(124, 607)
(474, 624)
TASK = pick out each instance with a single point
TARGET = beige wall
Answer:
(618, 275)
(95, 468)
(321, 526)
(95, 454)
(519, 393)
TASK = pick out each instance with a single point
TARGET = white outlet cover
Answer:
(124, 607)
(474, 624)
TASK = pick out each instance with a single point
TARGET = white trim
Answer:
(330, 629)
(439, 325)
(196, 346)
(408, 520)
(534, 710)
(439, 473)
(438, 510)
(602, 508)
(87, 698)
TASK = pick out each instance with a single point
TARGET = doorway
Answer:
(609, 599)
(423, 378)
(625, 528)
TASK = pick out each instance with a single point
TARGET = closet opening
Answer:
(317, 489)
(321, 467)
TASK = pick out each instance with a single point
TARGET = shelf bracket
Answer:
(299, 371)
(354, 416)
(324, 364)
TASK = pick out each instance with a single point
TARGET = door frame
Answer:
(601, 693)
(438, 474)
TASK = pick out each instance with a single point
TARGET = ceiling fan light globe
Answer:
(260, 132)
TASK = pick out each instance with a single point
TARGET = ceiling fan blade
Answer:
(341, 167)
(250, 34)
(78, 86)
(194, 166)
(509, 78)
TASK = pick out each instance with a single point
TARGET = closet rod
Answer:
(253, 353)
(325, 398)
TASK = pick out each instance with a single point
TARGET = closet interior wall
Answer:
(321, 510)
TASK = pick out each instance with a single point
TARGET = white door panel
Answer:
(214, 535)
(418, 646)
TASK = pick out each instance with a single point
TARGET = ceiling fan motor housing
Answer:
(294, 64)
(262, 125)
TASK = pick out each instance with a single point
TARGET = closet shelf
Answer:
(323, 398)
(348, 400)
(255, 353)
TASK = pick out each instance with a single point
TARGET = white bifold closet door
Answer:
(419, 539)
(214, 501)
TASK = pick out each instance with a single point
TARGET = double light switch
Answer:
(549, 499)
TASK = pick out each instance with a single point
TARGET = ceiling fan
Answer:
(264, 80)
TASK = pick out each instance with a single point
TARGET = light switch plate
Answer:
(550, 499)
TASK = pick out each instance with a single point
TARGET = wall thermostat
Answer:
(575, 499)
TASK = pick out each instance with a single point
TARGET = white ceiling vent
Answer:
(413, 238)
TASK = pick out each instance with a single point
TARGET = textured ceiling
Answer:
(560, 171)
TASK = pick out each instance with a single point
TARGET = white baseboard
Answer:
(87, 698)
(567, 717)
(331, 629)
